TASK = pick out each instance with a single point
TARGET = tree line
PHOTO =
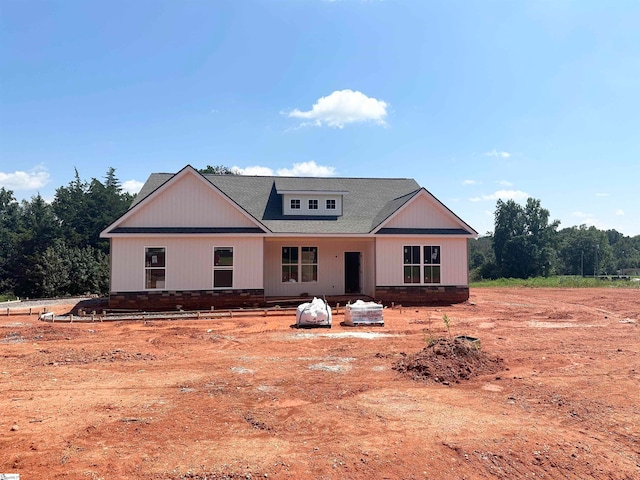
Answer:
(54, 249)
(525, 243)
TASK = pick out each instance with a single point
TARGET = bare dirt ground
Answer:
(250, 397)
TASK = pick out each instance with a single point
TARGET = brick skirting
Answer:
(422, 295)
(188, 300)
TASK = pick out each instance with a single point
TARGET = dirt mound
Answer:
(447, 360)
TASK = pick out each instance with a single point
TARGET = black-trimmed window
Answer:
(313, 204)
(222, 267)
(299, 264)
(295, 204)
(154, 267)
(331, 204)
(431, 260)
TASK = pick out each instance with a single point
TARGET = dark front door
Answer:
(352, 272)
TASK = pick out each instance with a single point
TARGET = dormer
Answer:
(300, 201)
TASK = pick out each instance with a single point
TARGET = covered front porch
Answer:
(304, 267)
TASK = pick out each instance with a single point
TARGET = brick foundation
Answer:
(189, 300)
(422, 295)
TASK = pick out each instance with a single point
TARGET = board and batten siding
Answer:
(330, 266)
(390, 257)
(189, 262)
(423, 213)
(189, 202)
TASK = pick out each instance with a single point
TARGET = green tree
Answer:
(482, 260)
(524, 240)
(63, 270)
(55, 249)
(217, 170)
(9, 225)
(70, 206)
(85, 209)
(37, 230)
(585, 251)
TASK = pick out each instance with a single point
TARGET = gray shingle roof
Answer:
(367, 203)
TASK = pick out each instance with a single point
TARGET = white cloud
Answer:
(307, 169)
(469, 182)
(602, 194)
(505, 183)
(580, 214)
(302, 169)
(502, 195)
(583, 215)
(132, 186)
(587, 219)
(255, 170)
(342, 107)
(33, 179)
(497, 154)
(619, 212)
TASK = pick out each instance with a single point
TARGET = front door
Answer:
(352, 272)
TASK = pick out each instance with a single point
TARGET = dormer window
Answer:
(299, 200)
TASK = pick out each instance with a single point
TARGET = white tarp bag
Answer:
(316, 313)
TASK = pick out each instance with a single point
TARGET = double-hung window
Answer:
(289, 264)
(222, 267)
(309, 264)
(422, 264)
(154, 267)
(431, 261)
(299, 264)
(411, 264)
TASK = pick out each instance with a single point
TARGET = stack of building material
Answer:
(363, 313)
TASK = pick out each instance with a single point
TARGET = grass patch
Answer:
(6, 297)
(563, 281)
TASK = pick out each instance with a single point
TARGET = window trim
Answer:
(146, 268)
(330, 204)
(313, 204)
(215, 268)
(294, 204)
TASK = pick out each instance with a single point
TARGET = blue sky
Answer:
(476, 100)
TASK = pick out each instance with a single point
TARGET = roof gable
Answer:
(182, 201)
(424, 212)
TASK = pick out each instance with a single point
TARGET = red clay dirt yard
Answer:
(251, 397)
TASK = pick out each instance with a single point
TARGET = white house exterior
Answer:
(229, 240)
